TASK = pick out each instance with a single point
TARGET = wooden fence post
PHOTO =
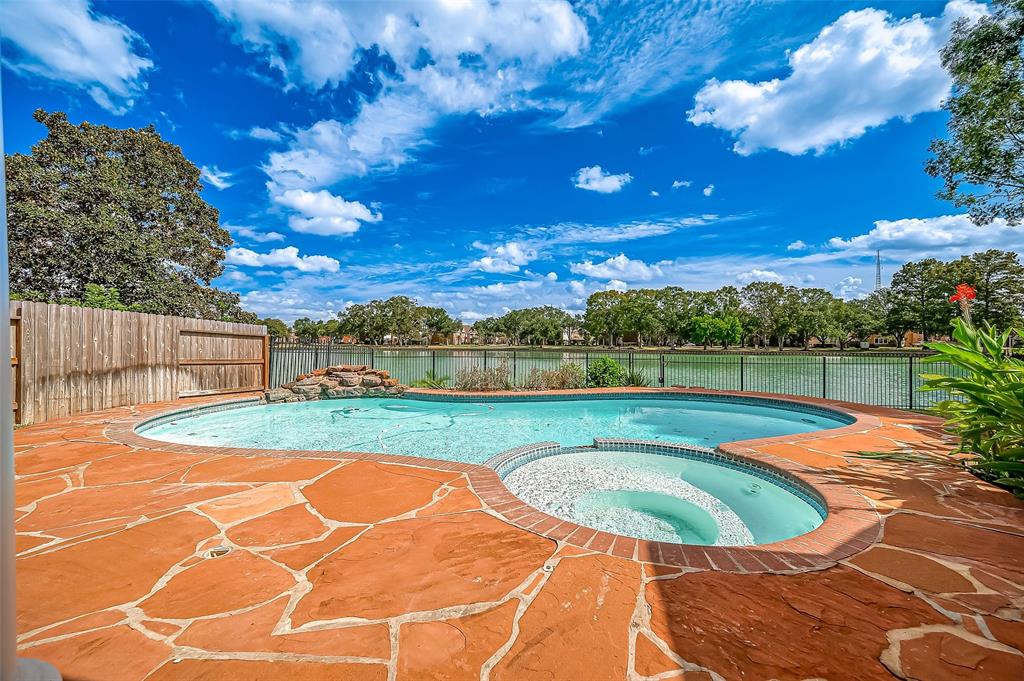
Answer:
(16, 357)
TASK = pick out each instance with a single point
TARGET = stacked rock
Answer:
(337, 382)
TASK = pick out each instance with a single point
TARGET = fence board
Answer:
(69, 360)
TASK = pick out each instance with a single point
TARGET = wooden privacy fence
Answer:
(68, 360)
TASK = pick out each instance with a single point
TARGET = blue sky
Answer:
(482, 156)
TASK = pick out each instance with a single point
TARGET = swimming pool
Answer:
(667, 494)
(473, 430)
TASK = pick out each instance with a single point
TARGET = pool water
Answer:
(475, 431)
(663, 498)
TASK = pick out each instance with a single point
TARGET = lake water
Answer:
(874, 378)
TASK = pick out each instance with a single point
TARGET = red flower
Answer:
(963, 292)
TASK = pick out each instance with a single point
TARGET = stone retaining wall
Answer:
(337, 382)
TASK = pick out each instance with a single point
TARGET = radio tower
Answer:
(878, 270)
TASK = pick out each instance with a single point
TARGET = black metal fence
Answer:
(883, 379)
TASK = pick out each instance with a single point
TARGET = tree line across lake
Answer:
(759, 314)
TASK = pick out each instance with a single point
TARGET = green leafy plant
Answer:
(987, 406)
(432, 380)
(479, 379)
(635, 379)
(605, 372)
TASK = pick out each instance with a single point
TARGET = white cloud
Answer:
(616, 285)
(67, 41)
(945, 236)
(282, 257)
(758, 275)
(654, 193)
(709, 190)
(449, 58)
(290, 302)
(470, 316)
(595, 179)
(220, 179)
(504, 258)
(314, 44)
(382, 137)
(676, 184)
(264, 134)
(253, 234)
(849, 287)
(639, 50)
(618, 267)
(797, 245)
(861, 71)
(509, 290)
(494, 265)
(236, 277)
(577, 288)
(323, 213)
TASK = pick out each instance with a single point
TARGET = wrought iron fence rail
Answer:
(891, 379)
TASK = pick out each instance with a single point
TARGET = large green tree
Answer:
(436, 320)
(982, 161)
(920, 292)
(117, 208)
(275, 327)
(998, 278)
(601, 320)
(773, 308)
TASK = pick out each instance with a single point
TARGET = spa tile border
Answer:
(508, 461)
(851, 526)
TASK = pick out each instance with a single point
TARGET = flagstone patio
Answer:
(169, 562)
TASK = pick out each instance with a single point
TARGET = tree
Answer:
(703, 329)
(545, 324)
(725, 301)
(810, 314)
(600, 320)
(674, 310)
(982, 162)
(998, 278)
(921, 289)
(846, 320)
(729, 330)
(772, 307)
(119, 209)
(637, 313)
(512, 324)
(436, 320)
(488, 330)
(275, 327)
(306, 329)
(894, 317)
(357, 319)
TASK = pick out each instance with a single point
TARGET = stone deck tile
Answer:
(362, 566)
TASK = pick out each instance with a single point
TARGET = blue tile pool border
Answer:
(778, 403)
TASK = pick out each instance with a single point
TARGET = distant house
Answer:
(910, 339)
(573, 337)
(466, 335)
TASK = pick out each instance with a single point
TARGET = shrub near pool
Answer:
(605, 372)
(566, 377)
(987, 409)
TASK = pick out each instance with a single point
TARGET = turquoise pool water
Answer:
(475, 431)
(663, 498)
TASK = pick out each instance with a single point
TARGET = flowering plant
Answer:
(965, 293)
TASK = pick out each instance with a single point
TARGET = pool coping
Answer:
(851, 526)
